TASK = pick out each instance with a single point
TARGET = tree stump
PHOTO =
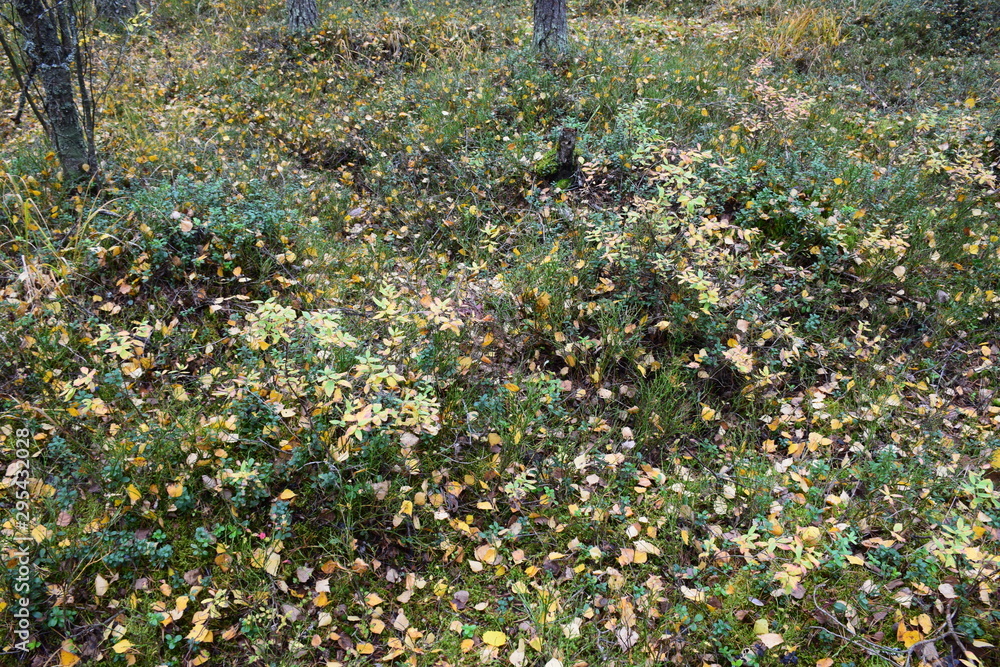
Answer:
(566, 154)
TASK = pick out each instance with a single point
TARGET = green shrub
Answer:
(932, 26)
(210, 233)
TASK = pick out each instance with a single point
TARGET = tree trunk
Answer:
(551, 35)
(117, 10)
(302, 15)
(45, 48)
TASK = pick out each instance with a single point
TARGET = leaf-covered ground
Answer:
(327, 371)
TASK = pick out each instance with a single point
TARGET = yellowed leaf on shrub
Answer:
(995, 459)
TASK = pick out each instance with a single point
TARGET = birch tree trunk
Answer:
(303, 15)
(45, 29)
(551, 33)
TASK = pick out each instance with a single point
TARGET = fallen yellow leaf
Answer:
(122, 646)
(199, 633)
(67, 659)
(925, 623)
(133, 493)
(272, 564)
(494, 638)
(100, 585)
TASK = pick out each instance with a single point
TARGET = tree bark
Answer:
(303, 15)
(53, 57)
(117, 10)
(566, 154)
(551, 33)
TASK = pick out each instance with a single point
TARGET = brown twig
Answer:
(945, 631)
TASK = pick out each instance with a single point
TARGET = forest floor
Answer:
(328, 370)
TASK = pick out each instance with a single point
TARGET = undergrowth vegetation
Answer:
(326, 371)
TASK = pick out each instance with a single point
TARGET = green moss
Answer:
(547, 165)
